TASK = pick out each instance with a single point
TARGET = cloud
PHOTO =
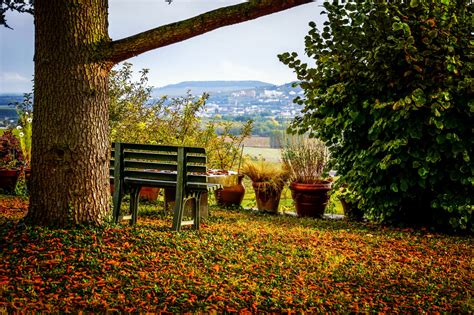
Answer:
(13, 77)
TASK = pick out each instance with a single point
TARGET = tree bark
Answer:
(73, 57)
(70, 164)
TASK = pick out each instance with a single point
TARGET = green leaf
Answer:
(394, 187)
(403, 185)
(439, 124)
(397, 26)
(423, 172)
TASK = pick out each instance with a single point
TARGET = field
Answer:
(269, 154)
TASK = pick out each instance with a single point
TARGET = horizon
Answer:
(172, 84)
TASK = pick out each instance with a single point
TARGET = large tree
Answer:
(73, 57)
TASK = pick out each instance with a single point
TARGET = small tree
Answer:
(392, 94)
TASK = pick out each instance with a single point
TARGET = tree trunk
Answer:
(70, 160)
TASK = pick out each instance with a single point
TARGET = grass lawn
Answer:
(239, 261)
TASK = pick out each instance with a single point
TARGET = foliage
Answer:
(305, 159)
(392, 94)
(271, 175)
(25, 120)
(265, 125)
(227, 148)
(240, 262)
(10, 151)
(14, 5)
(136, 117)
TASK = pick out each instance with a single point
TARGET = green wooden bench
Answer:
(134, 166)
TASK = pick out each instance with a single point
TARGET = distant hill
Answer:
(198, 87)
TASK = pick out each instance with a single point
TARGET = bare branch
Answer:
(123, 49)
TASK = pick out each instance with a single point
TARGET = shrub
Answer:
(10, 151)
(392, 95)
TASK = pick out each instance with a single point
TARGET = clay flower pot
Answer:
(310, 199)
(268, 197)
(8, 179)
(231, 195)
(149, 193)
(351, 210)
(233, 192)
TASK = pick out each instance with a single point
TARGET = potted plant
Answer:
(305, 160)
(350, 203)
(268, 180)
(11, 161)
(225, 154)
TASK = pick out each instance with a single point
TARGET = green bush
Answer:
(392, 94)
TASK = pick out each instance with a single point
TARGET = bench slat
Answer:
(195, 150)
(196, 169)
(134, 155)
(196, 159)
(149, 182)
(150, 175)
(203, 186)
(150, 147)
(197, 178)
(149, 166)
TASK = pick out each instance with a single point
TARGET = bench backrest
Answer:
(158, 162)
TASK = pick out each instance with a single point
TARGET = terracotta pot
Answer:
(310, 199)
(8, 179)
(351, 210)
(146, 193)
(27, 177)
(268, 198)
(149, 193)
(231, 195)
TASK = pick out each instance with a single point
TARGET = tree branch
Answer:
(119, 50)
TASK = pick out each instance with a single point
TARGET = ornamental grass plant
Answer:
(270, 175)
(305, 159)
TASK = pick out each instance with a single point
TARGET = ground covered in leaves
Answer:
(239, 262)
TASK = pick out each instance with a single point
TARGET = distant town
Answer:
(227, 99)
(240, 98)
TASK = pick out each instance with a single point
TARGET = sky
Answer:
(246, 51)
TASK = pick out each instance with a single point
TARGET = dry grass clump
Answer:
(271, 174)
(305, 159)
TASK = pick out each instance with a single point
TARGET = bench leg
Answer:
(178, 214)
(117, 201)
(134, 204)
(197, 211)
